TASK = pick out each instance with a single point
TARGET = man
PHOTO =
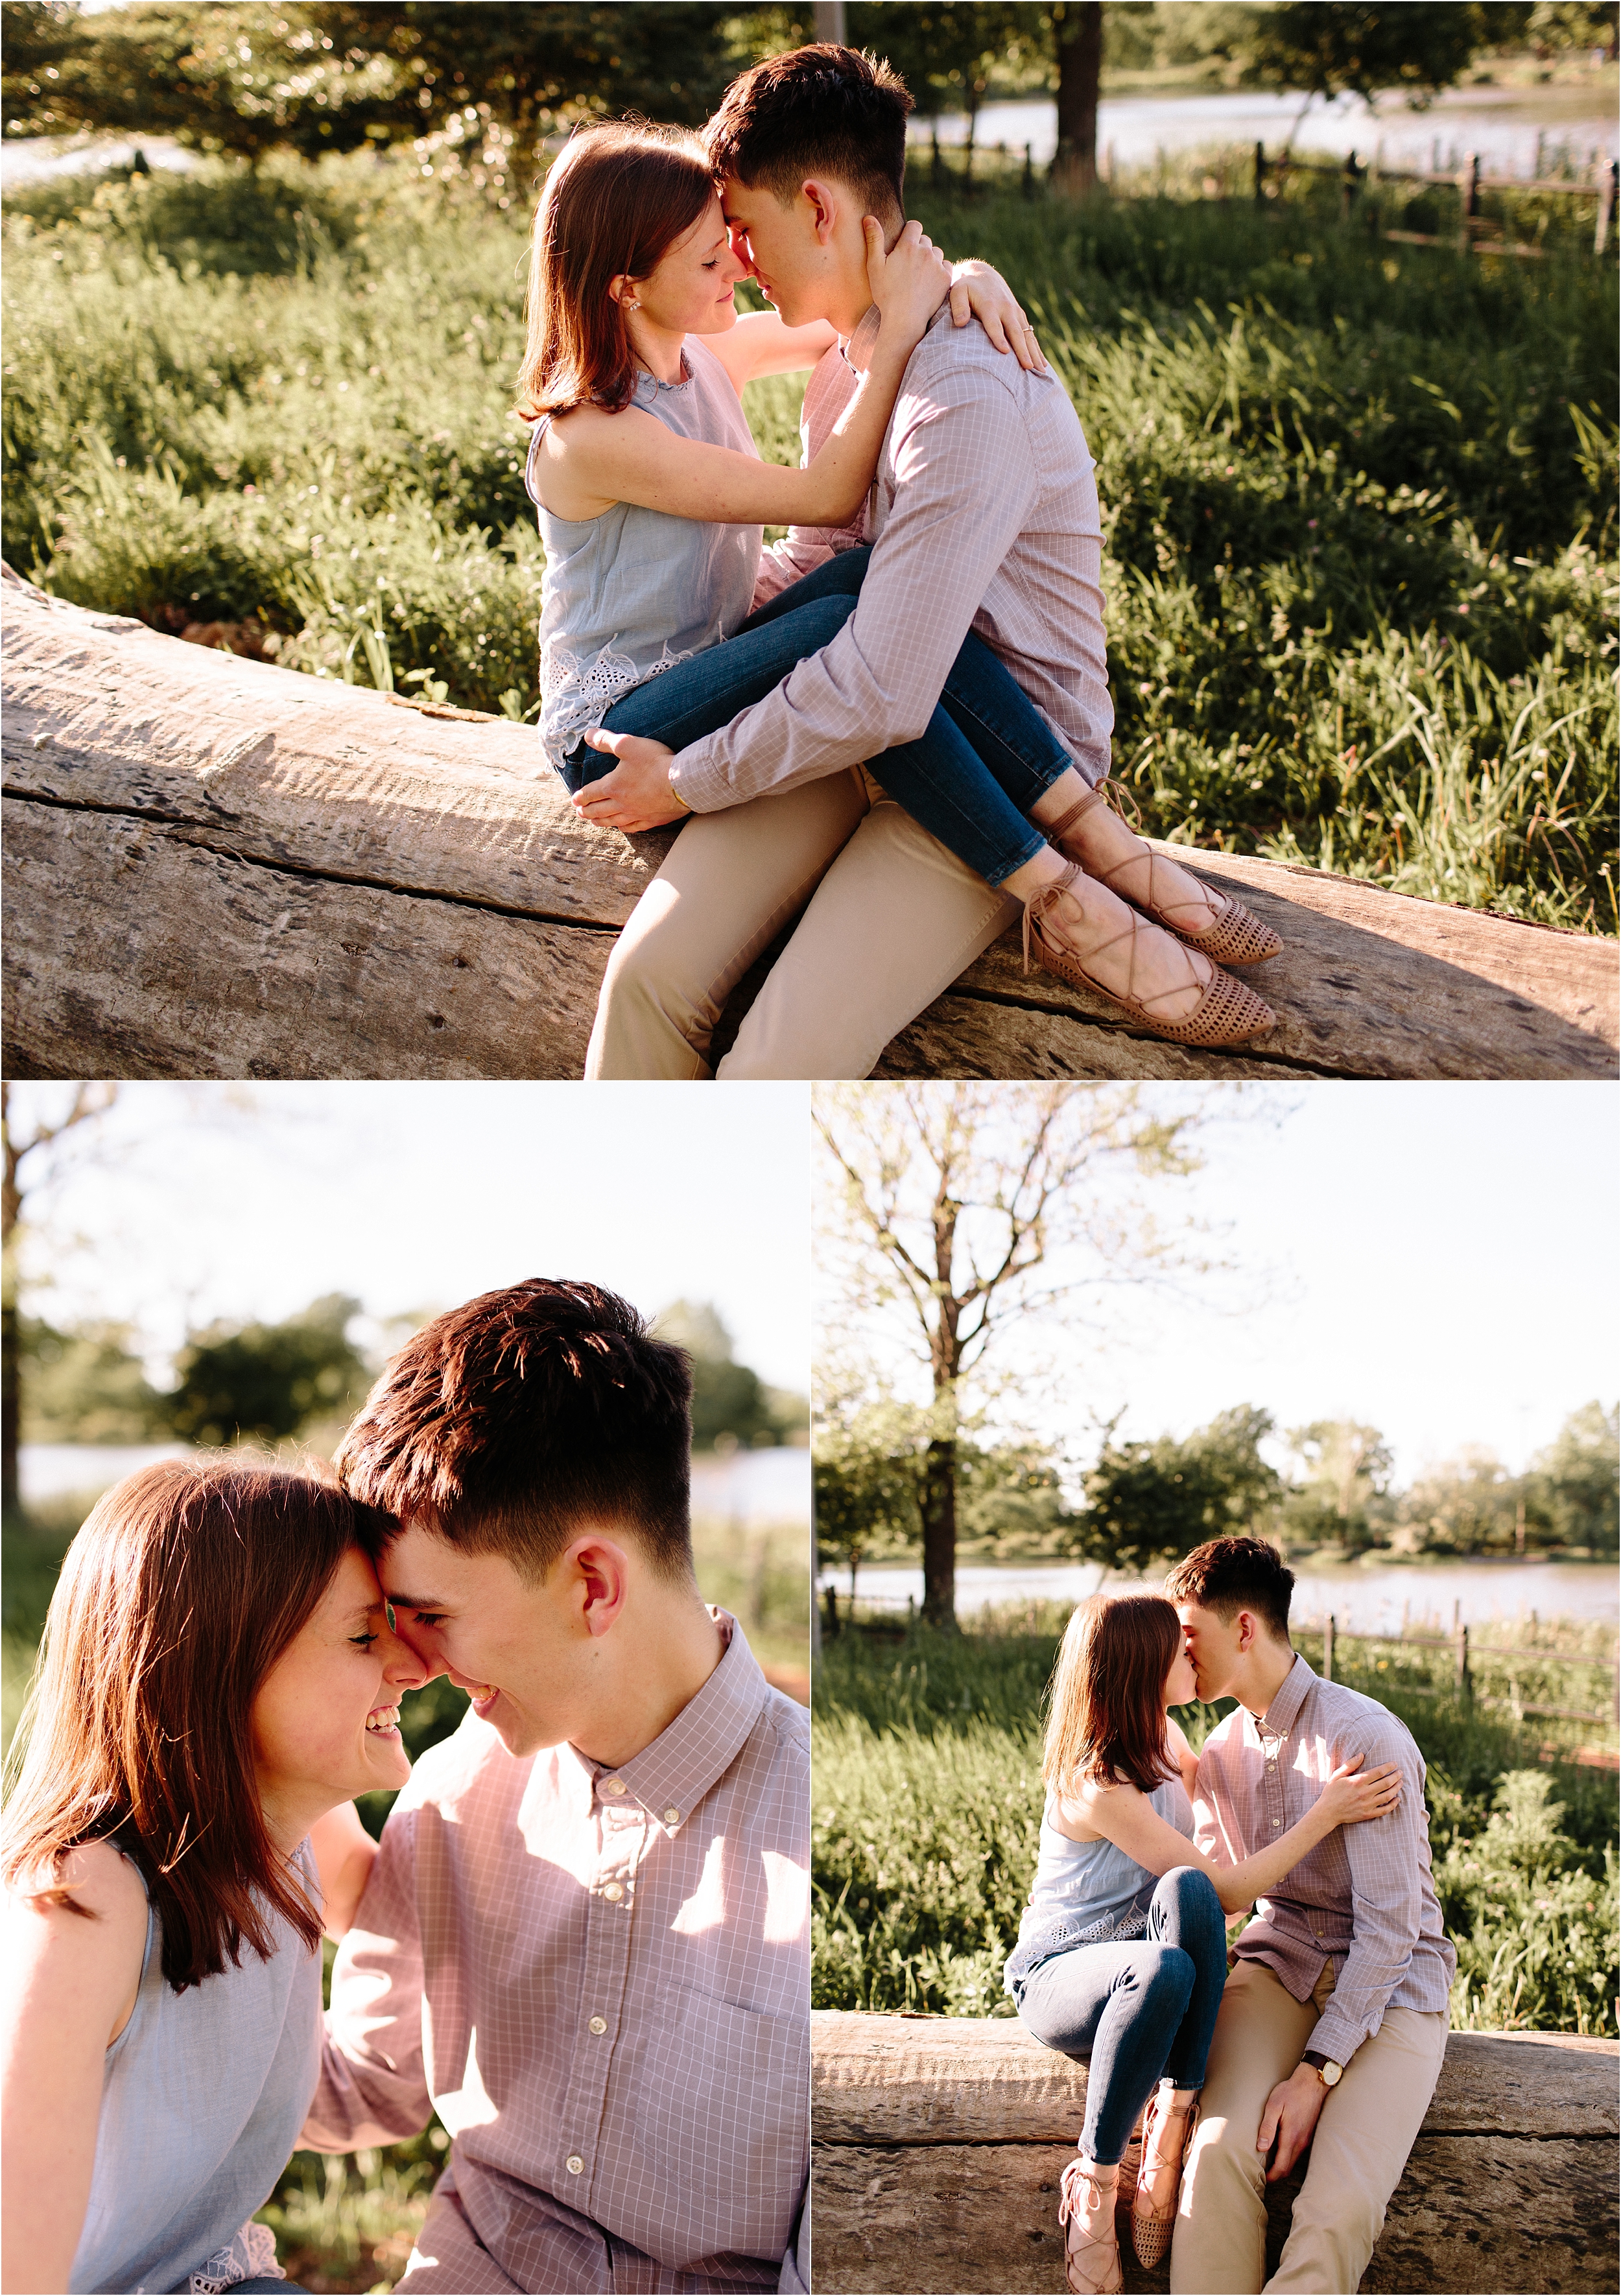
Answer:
(984, 514)
(584, 1940)
(1333, 2025)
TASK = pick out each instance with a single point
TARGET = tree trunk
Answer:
(1080, 63)
(940, 1533)
(10, 1402)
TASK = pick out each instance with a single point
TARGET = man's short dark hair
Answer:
(820, 111)
(512, 1423)
(1229, 1575)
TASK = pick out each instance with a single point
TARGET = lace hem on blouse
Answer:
(251, 2256)
(580, 693)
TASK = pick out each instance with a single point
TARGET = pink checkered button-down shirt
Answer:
(600, 1981)
(1364, 1897)
(984, 515)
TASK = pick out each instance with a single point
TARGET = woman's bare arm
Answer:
(1128, 1819)
(761, 344)
(69, 1983)
(345, 1855)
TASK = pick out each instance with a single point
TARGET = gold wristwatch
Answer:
(1327, 2072)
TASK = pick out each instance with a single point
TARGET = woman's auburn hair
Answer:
(617, 197)
(185, 1584)
(1107, 1715)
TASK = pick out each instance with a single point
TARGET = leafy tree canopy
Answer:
(248, 76)
(731, 1404)
(1415, 47)
(1148, 1503)
(260, 1382)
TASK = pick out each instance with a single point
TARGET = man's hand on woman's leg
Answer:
(637, 794)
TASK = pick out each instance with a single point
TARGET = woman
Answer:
(1122, 1951)
(651, 495)
(219, 1676)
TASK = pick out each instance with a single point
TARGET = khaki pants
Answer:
(891, 918)
(1359, 2149)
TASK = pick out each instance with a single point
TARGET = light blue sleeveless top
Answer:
(635, 591)
(203, 2096)
(1093, 1888)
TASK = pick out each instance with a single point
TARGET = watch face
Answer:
(1331, 2074)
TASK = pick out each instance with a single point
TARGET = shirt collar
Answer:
(856, 348)
(1287, 1699)
(670, 1777)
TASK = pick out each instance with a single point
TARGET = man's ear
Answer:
(600, 1571)
(825, 207)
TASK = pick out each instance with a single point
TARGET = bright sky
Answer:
(1438, 1261)
(199, 1202)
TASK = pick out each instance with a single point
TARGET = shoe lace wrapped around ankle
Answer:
(1037, 905)
(1072, 2202)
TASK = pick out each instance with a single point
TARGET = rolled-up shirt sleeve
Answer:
(965, 476)
(1385, 1855)
(374, 2088)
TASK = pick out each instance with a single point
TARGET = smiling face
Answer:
(325, 1718)
(689, 290)
(502, 1637)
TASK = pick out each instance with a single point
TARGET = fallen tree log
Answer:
(216, 867)
(940, 2144)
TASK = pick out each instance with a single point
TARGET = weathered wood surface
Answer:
(218, 867)
(940, 2143)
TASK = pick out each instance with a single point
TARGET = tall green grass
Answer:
(1359, 499)
(927, 1812)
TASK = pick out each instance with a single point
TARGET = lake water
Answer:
(1502, 123)
(1365, 1598)
(752, 1487)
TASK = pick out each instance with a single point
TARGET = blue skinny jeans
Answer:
(1139, 2012)
(984, 758)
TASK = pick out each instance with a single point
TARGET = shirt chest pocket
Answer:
(720, 2109)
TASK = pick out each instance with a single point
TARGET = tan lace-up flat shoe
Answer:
(1234, 936)
(1226, 1012)
(1086, 2210)
(1167, 2132)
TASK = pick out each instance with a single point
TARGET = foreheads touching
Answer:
(816, 112)
(512, 1423)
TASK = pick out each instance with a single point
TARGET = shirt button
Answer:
(574, 2164)
(599, 2024)
(672, 1817)
(1276, 1822)
(613, 1786)
(613, 1891)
